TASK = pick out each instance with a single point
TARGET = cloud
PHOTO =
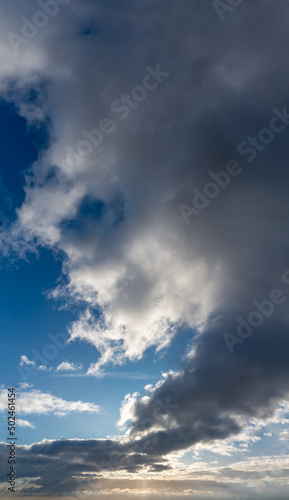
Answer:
(44, 403)
(215, 393)
(127, 409)
(25, 385)
(25, 361)
(94, 466)
(71, 461)
(66, 366)
(24, 423)
(44, 368)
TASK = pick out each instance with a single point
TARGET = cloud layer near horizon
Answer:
(69, 468)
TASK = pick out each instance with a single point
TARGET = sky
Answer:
(144, 244)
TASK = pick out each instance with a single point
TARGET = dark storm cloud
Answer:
(243, 232)
(216, 388)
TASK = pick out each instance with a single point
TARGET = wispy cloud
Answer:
(24, 423)
(43, 403)
(65, 366)
(25, 361)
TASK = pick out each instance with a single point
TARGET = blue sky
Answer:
(144, 219)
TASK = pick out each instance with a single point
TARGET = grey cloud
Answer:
(65, 468)
(59, 464)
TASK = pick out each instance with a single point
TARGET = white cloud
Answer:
(25, 385)
(24, 423)
(44, 403)
(42, 368)
(281, 414)
(25, 361)
(127, 409)
(66, 366)
(242, 442)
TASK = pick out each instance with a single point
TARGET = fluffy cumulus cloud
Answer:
(129, 191)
